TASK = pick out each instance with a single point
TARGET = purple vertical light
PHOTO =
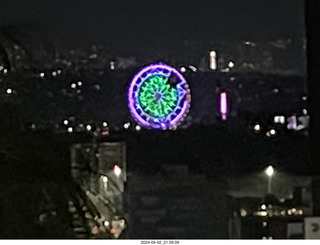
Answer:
(223, 105)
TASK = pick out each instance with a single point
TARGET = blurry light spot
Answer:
(262, 213)
(65, 122)
(96, 87)
(59, 71)
(264, 224)
(9, 91)
(223, 106)
(257, 127)
(231, 64)
(41, 74)
(275, 90)
(193, 68)
(5, 71)
(104, 124)
(54, 73)
(126, 125)
(300, 212)
(89, 127)
(1, 68)
(243, 212)
(116, 170)
(305, 111)
(104, 179)
(272, 131)
(279, 119)
(79, 83)
(213, 60)
(138, 128)
(73, 85)
(263, 207)
(93, 56)
(269, 171)
(112, 65)
(106, 223)
(183, 69)
(304, 98)
(70, 130)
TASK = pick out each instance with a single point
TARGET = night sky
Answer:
(127, 25)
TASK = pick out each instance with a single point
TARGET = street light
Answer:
(269, 171)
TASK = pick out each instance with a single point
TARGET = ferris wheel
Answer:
(158, 97)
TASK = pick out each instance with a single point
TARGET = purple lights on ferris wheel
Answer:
(158, 97)
(223, 105)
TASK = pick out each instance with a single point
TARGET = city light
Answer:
(79, 83)
(9, 91)
(305, 111)
(106, 223)
(65, 122)
(231, 64)
(269, 171)
(272, 131)
(104, 179)
(183, 69)
(70, 130)
(42, 74)
(138, 128)
(112, 65)
(223, 106)
(73, 85)
(243, 212)
(257, 127)
(126, 125)
(116, 170)
(213, 60)
(193, 68)
(279, 119)
(89, 127)
(104, 124)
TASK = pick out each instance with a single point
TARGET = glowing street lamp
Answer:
(269, 171)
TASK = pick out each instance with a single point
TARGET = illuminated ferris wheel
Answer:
(158, 97)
